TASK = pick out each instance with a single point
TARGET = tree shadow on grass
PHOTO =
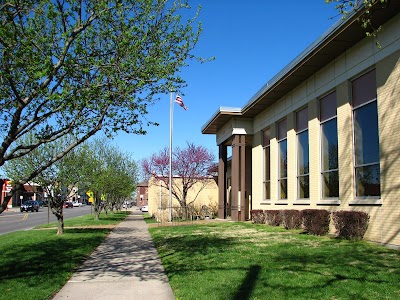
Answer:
(348, 263)
(308, 266)
(50, 255)
(248, 283)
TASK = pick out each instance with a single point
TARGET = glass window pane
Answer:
(302, 119)
(283, 188)
(282, 129)
(364, 88)
(267, 164)
(327, 107)
(267, 191)
(303, 157)
(329, 145)
(368, 181)
(304, 187)
(266, 137)
(330, 184)
(283, 159)
(366, 134)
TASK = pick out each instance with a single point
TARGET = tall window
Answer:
(267, 164)
(303, 176)
(282, 142)
(366, 136)
(329, 146)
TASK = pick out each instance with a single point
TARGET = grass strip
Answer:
(88, 220)
(248, 261)
(36, 264)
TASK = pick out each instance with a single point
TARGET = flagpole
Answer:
(171, 113)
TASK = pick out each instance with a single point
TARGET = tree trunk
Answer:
(3, 205)
(60, 224)
(56, 205)
(97, 209)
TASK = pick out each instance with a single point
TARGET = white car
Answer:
(76, 204)
(145, 208)
(126, 205)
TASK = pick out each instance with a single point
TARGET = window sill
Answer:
(329, 202)
(265, 202)
(282, 202)
(366, 202)
(302, 202)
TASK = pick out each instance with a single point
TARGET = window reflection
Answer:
(329, 147)
(366, 136)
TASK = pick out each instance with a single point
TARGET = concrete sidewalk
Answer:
(125, 266)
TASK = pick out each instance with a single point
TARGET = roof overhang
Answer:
(339, 38)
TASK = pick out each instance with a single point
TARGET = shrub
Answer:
(350, 224)
(257, 216)
(291, 218)
(316, 221)
(214, 209)
(273, 217)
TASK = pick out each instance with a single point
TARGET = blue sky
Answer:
(252, 41)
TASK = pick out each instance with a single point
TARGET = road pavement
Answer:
(13, 220)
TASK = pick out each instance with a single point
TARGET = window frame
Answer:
(298, 176)
(334, 200)
(363, 199)
(279, 161)
(266, 147)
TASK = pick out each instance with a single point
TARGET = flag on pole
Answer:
(179, 100)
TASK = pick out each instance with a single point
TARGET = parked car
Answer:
(30, 205)
(127, 204)
(68, 204)
(144, 208)
(76, 204)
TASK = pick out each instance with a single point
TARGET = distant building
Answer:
(31, 191)
(323, 133)
(142, 194)
(198, 196)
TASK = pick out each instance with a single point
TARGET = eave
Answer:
(338, 39)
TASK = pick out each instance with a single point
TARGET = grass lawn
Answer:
(88, 220)
(35, 264)
(248, 261)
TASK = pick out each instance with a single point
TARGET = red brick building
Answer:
(142, 194)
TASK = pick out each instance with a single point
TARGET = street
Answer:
(14, 220)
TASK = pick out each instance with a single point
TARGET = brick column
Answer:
(235, 178)
(222, 166)
(242, 147)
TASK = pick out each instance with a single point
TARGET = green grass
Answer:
(35, 264)
(248, 261)
(88, 220)
(149, 219)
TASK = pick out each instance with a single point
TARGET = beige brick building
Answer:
(323, 133)
(201, 194)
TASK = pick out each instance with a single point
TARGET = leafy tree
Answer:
(77, 67)
(190, 166)
(91, 166)
(112, 176)
(58, 180)
(344, 7)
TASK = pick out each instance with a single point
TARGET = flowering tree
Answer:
(190, 166)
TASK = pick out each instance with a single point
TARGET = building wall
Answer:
(208, 196)
(384, 213)
(142, 196)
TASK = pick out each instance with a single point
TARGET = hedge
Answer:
(316, 221)
(350, 224)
